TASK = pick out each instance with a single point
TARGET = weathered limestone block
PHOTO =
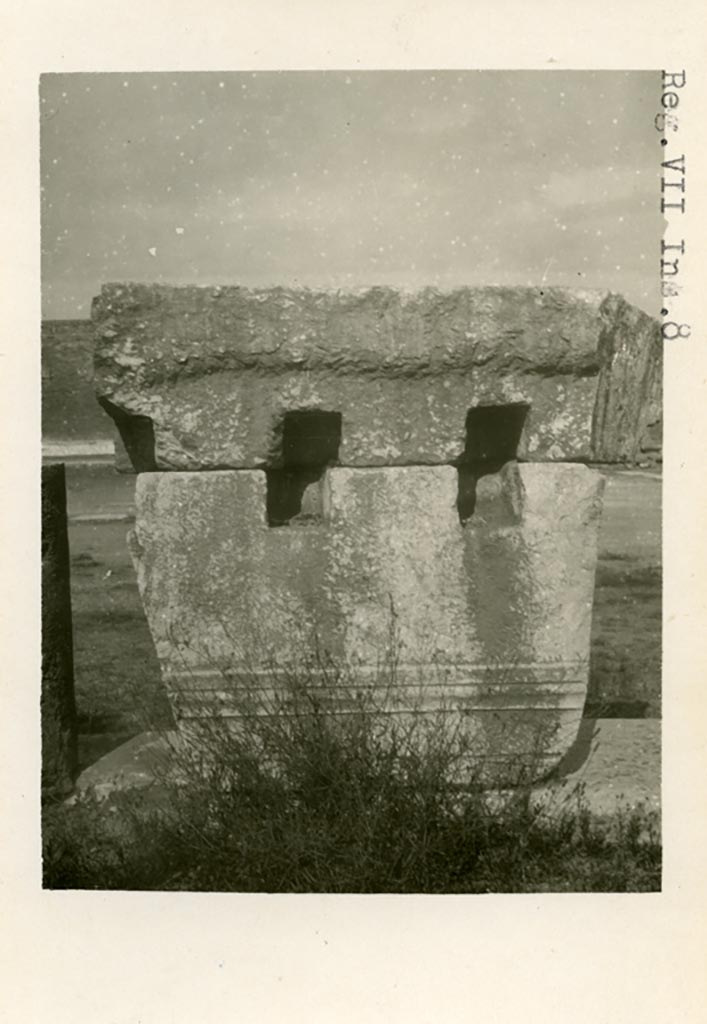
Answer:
(201, 378)
(480, 590)
(629, 394)
(59, 726)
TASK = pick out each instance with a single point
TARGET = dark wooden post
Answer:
(59, 731)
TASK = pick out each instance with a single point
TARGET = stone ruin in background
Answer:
(318, 466)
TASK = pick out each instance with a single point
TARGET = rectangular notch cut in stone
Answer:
(310, 443)
(311, 438)
(493, 434)
(137, 434)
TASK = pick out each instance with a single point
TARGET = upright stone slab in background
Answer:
(200, 378)
(59, 728)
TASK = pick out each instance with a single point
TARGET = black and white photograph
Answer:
(353, 377)
(352, 431)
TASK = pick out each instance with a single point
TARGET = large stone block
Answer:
(446, 588)
(203, 378)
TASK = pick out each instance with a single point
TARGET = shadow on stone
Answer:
(137, 434)
(493, 434)
(580, 750)
(310, 442)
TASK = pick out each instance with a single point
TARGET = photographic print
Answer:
(352, 409)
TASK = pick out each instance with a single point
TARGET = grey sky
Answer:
(350, 178)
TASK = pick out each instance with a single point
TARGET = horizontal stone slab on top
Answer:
(204, 378)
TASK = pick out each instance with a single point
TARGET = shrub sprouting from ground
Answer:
(308, 793)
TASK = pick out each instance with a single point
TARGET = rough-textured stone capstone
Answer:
(201, 378)
(59, 727)
(488, 621)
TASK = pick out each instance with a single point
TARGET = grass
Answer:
(300, 798)
(330, 819)
(117, 676)
(127, 844)
(625, 653)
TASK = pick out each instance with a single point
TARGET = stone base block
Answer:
(393, 581)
